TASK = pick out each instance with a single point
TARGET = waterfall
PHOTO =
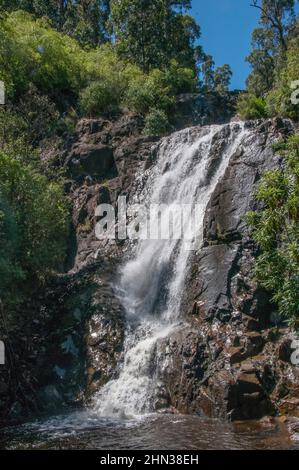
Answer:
(189, 165)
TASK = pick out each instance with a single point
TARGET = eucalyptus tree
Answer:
(152, 32)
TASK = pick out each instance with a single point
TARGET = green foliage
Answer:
(184, 32)
(34, 220)
(251, 107)
(222, 78)
(262, 61)
(180, 79)
(123, 85)
(215, 79)
(108, 77)
(279, 100)
(39, 114)
(156, 123)
(151, 33)
(9, 247)
(33, 211)
(158, 89)
(207, 71)
(14, 139)
(32, 52)
(103, 63)
(149, 91)
(46, 64)
(83, 20)
(276, 230)
(98, 97)
(275, 57)
(22, 127)
(278, 16)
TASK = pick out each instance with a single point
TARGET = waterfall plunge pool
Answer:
(85, 430)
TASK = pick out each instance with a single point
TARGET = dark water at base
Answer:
(83, 430)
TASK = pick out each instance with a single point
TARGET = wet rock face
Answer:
(77, 322)
(102, 163)
(94, 160)
(229, 359)
(226, 285)
(232, 362)
(85, 339)
(69, 346)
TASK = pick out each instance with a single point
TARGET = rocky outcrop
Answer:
(193, 109)
(233, 362)
(71, 345)
(229, 359)
(102, 163)
(71, 340)
(93, 160)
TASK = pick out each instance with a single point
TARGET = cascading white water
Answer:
(188, 167)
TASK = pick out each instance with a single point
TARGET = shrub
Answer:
(9, 247)
(181, 79)
(33, 52)
(39, 113)
(33, 56)
(109, 80)
(37, 211)
(139, 96)
(149, 91)
(276, 230)
(14, 136)
(103, 63)
(159, 88)
(251, 107)
(98, 97)
(156, 123)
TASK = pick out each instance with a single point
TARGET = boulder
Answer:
(285, 350)
(95, 160)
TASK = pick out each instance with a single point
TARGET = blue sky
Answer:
(226, 27)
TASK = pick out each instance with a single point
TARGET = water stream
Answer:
(189, 165)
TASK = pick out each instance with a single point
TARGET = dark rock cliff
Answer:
(69, 340)
(231, 357)
(228, 362)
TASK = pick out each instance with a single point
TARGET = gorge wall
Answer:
(229, 357)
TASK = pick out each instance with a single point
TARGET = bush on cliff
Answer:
(276, 230)
(14, 135)
(98, 97)
(33, 222)
(156, 123)
(158, 89)
(250, 106)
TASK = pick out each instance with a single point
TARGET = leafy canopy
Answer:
(274, 61)
(152, 32)
(83, 20)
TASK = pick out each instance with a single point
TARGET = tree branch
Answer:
(274, 21)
